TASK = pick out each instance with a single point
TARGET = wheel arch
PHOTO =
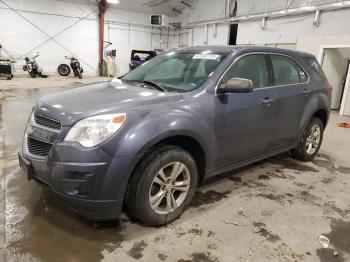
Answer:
(184, 141)
(322, 115)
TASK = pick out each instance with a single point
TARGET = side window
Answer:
(315, 66)
(287, 71)
(303, 75)
(252, 67)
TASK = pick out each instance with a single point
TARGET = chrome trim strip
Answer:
(267, 87)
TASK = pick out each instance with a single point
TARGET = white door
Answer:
(334, 65)
(345, 105)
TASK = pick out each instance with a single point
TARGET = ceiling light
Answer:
(113, 2)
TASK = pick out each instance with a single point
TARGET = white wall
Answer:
(138, 35)
(204, 10)
(18, 36)
(284, 31)
(288, 30)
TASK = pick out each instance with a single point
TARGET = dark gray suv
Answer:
(146, 140)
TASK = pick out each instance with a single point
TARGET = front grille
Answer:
(47, 122)
(37, 147)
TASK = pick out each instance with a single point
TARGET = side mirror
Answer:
(236, 85)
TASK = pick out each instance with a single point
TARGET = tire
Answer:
(32, 74)
(79, 74)
(142, 187)
(63, 69)
(304, 151)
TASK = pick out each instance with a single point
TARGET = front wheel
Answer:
(310, 142)
(162, 186)
(79, 73)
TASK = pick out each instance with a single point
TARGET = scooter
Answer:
(33, 68)
(64, 70)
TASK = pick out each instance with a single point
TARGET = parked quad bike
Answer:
(33, 68)
(64, 69)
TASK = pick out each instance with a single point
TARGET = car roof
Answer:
(218, 48)
(248, 48)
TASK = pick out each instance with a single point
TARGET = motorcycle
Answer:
(64, 69)
(32, 67)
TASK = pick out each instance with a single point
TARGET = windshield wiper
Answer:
(157, 86)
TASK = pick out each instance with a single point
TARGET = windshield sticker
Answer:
(206, 56)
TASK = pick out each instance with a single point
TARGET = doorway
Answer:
(233, 34)
(335, 63)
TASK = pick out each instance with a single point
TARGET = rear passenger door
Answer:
(292, 94)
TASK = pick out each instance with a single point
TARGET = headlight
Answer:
(93, 130)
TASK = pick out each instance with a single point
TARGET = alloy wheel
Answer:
(169, 188)
(313, 139)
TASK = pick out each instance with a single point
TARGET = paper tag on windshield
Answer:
(206, 56)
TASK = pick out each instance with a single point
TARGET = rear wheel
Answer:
(63, 69)
(310, 142)
(162, 186)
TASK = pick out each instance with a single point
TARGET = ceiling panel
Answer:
(165, 7)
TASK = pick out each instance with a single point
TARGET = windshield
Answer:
(176, 71)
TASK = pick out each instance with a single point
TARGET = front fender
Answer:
(146, 127)
(156, 126)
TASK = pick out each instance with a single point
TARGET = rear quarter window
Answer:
(287, 71)
(315, 66)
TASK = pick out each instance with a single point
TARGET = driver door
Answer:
(245, 122)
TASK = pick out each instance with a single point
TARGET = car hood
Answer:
(114, 96)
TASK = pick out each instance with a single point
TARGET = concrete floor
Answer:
(273, 210)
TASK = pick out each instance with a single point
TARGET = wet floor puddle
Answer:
(288, 163)
(39, 224)
(340, 242)
(329, 163)
(208, 197)
(200, 257)
(137, 249)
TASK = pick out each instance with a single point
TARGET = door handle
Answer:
(267, 100)
(306, 91)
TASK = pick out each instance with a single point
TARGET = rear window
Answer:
(312, 62)
(287, 71)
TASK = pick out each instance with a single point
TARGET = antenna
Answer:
(278, 41)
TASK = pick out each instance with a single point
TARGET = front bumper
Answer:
(90, 181)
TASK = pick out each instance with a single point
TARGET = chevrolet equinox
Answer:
(144, 141)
